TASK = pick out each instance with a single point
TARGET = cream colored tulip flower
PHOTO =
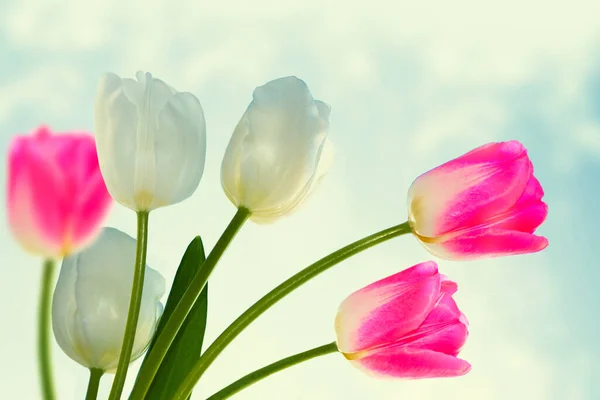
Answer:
(91, 301)
(279, 150)
(151, 141)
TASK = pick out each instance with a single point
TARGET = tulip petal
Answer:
(412, 363)
(448, 287)
(445, 311)
(532, 194)
(325, 160)
(181, 135)
(21, 215)
(115, 124)
(416, 273)
(488, 242)
(387, 309)
(69, 337)
(448, 340)
(94, 206)
(86, 199)
(526, 218)
(230, 166)
(443, 330)
(470, 189)
(284, 135)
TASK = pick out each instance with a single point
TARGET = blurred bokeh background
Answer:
(411, 85)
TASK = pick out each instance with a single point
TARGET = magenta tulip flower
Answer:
(486, 203)
(56, 196)
(404, 326)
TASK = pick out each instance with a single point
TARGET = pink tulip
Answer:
(57, 198)
(486, 203)
(404, 326)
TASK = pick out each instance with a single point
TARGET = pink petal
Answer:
(443, 330)
(384, 311)
(91, 202)
(448, 339)
(533, 192)
(24, 225)
(416, 273)
(470, 189)
(17, 164)
(490, 151)
(445, 311)
(526, 218)
(35, 212)
(95, 204)
(412, 363)
(486, 242)
(447, 286)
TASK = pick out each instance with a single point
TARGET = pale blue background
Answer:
(410, 86)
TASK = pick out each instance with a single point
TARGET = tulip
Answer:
(404, 326)
(486, 203)
(56, 197)
(91, 301)
(151, 141)
(279, 150)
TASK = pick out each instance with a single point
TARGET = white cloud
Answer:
(46, 90)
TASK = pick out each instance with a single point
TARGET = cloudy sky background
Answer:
(410, 86)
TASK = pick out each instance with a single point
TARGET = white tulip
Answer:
(279, 150)
(91, 302)
(151, 141)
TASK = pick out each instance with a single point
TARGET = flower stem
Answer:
(94, 384)
(270, 369)
(277, 294)
(166, 337)
(47, 379)
(134, 306)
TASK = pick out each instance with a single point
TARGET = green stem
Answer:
(163, 341)
(270, 369)
(277, 294)
(134, 306)
(94, 384)
(47, 380)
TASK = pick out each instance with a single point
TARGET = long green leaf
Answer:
(187, 346)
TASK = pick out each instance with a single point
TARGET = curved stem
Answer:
(46, 377)
(277, 294)
(94, 384)
(134, 306)
(270, 369)
(163, 341)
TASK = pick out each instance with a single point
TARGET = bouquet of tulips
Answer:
(148, 151)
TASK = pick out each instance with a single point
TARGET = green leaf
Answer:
(187, 346)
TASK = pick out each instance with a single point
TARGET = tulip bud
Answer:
(56, 197)
(486, 203)
(151, 141)
(279, 150)
(91, 302)
(404, 326)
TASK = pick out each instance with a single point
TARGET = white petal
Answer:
(64, 308)
(115, 126)
(181, 137)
